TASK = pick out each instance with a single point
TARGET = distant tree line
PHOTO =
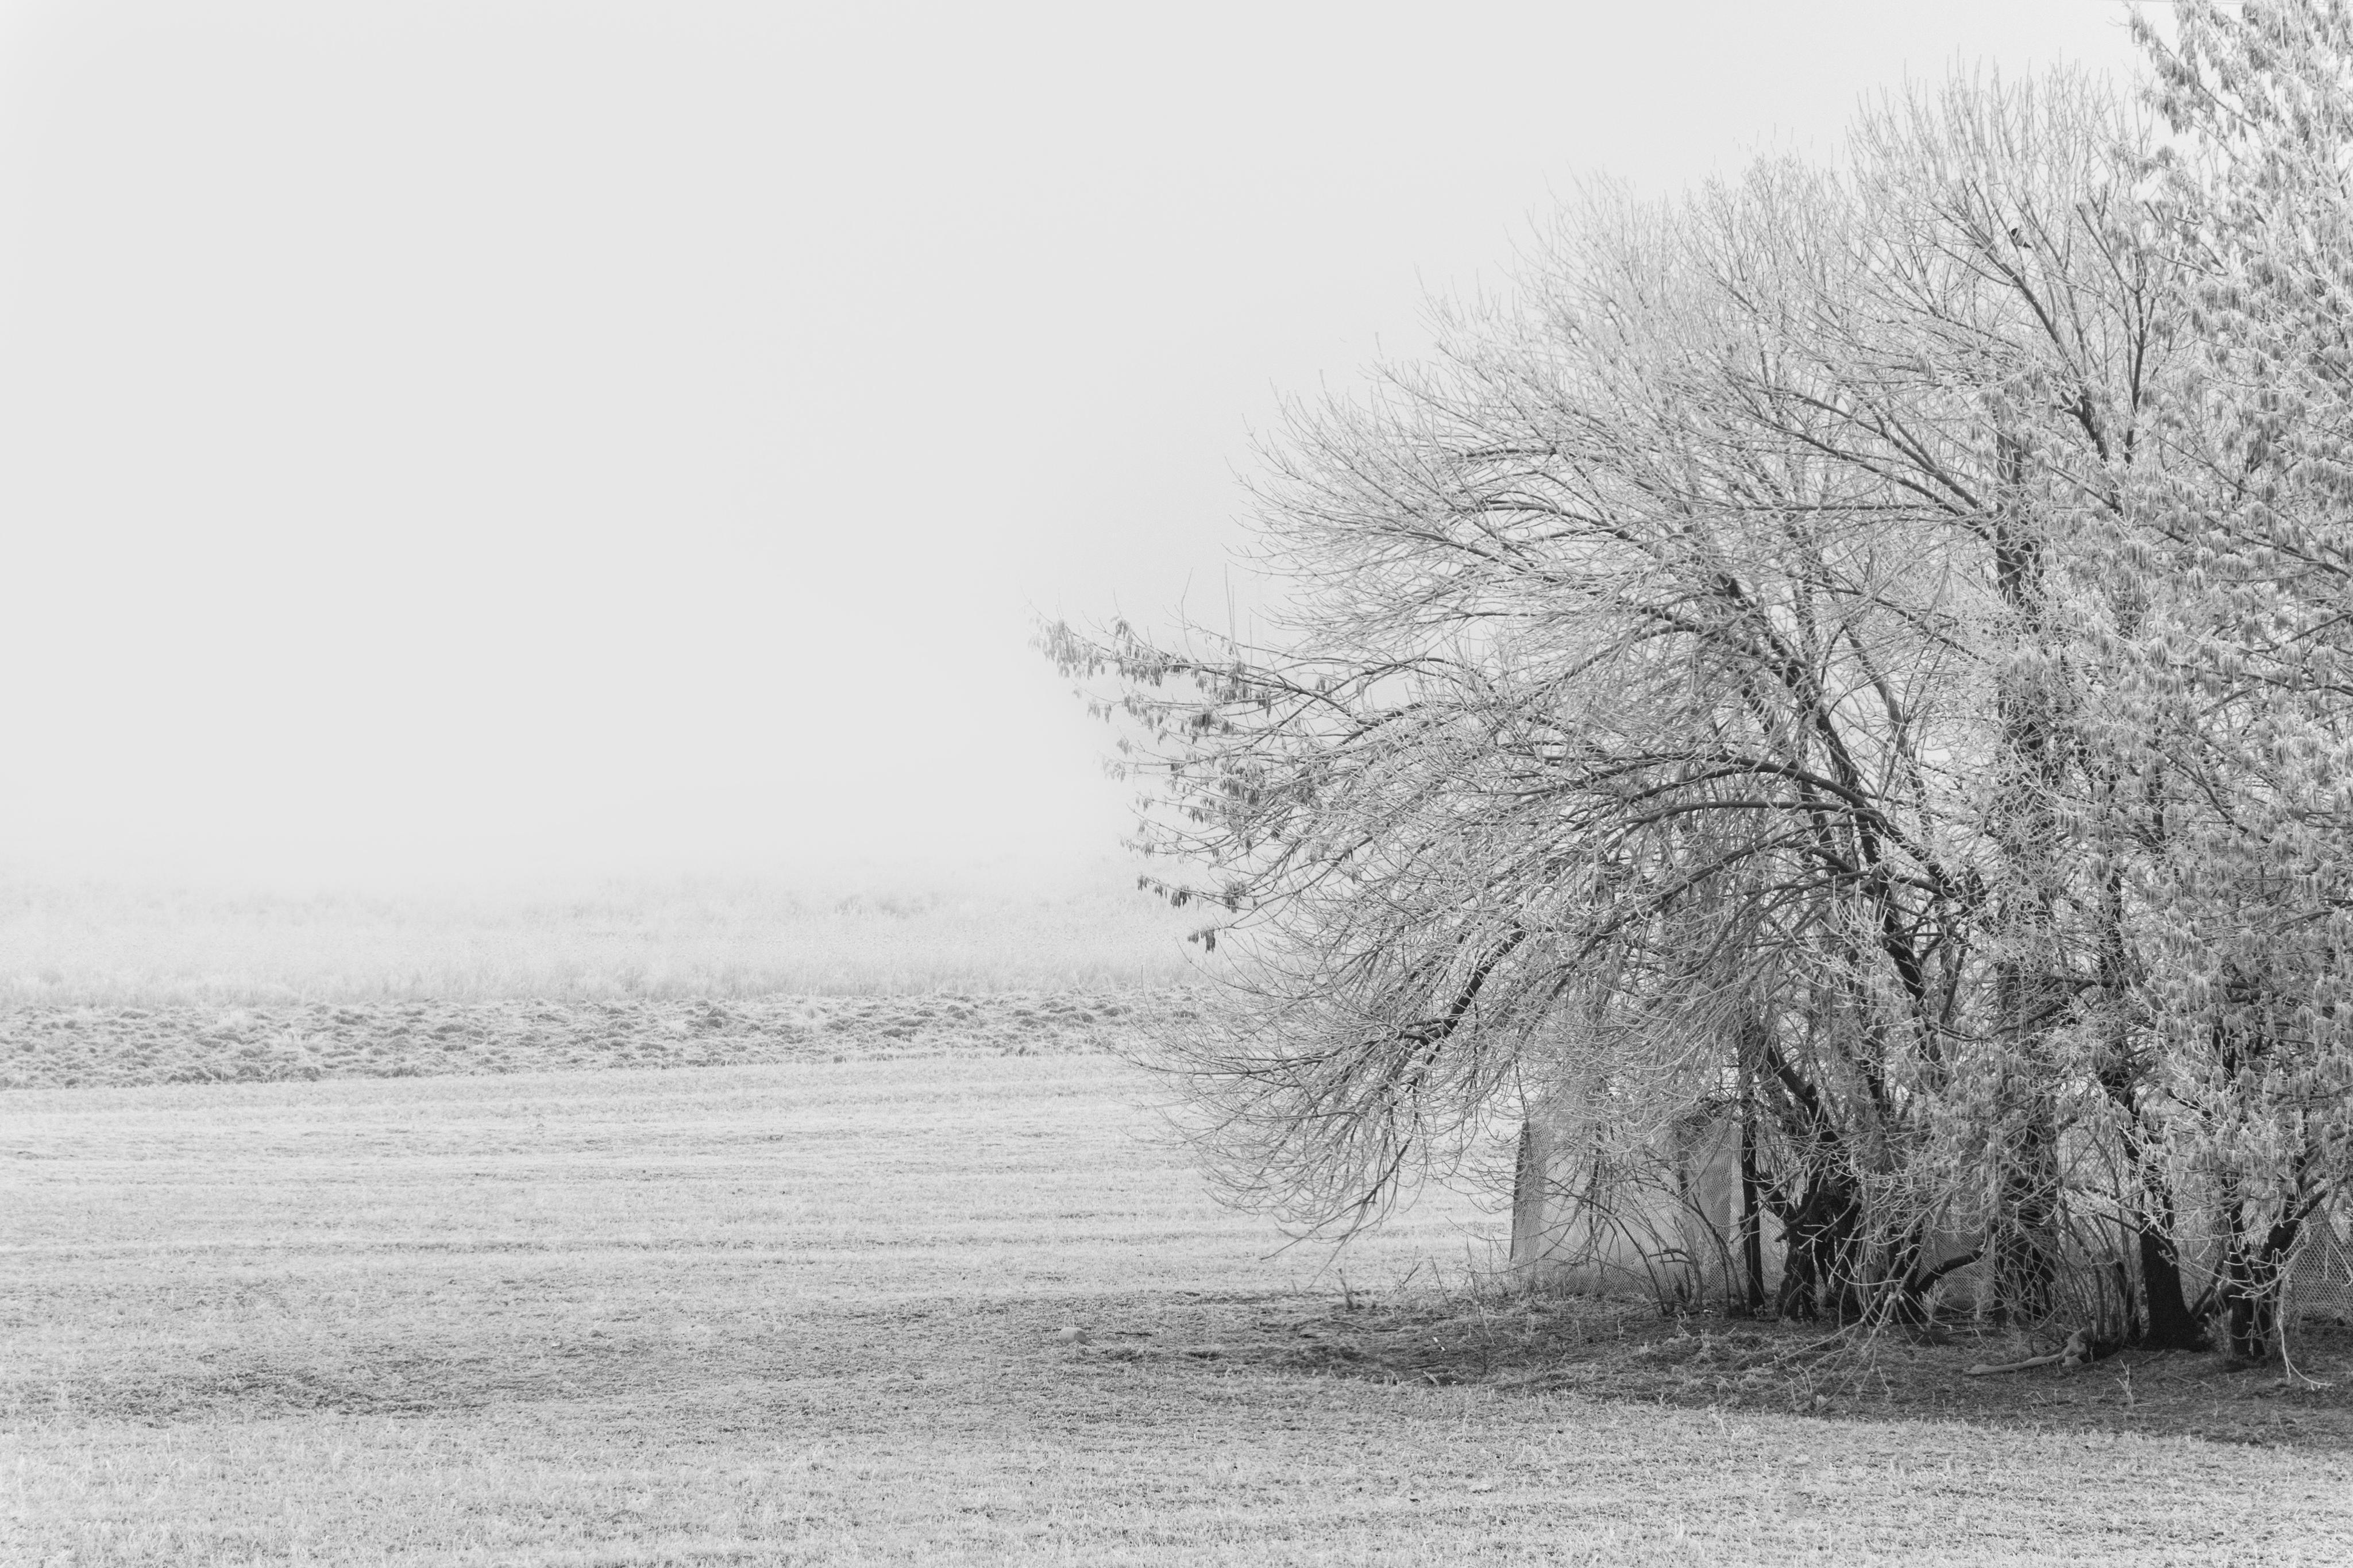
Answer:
(1867, 645)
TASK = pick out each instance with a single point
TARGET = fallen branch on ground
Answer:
(2076, 1353)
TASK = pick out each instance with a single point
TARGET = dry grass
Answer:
(120, 944)
(809, 1313)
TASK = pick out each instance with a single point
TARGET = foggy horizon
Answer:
(464, 443)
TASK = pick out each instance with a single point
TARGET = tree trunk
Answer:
(2024, 1245)
(2170, 1326)
(1752, 1220)
(2251, 1292)
(1819, 1239)
(2166, 1322)
(2032, 708)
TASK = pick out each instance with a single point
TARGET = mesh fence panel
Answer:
(2320, 1280)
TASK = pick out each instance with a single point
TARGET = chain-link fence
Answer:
(2320, 1279)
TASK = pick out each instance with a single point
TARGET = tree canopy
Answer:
(1867, 640)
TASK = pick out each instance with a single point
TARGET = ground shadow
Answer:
(1624, 1350)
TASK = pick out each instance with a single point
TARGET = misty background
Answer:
(505, 442)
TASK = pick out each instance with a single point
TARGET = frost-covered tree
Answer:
(2230, 711)
(1778, 653)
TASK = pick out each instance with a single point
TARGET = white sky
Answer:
(502, 437)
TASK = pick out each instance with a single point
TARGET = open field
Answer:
(87, 1046)
(814, 1312)
(66, 944)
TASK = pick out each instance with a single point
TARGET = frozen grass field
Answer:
(814, 1312)
(93, 1047)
